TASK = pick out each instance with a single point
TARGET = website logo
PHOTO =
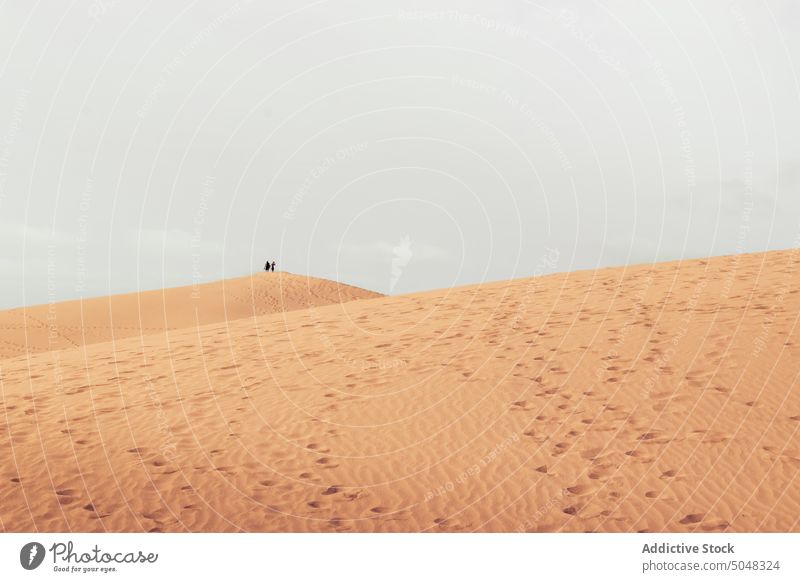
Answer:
(402, 254)
(31, 555)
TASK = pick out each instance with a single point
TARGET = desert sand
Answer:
(103, 319)
(651, 398)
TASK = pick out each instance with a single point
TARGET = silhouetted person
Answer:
(273, 266)
(266, 267)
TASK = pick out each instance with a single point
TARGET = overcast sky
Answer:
(151, 144)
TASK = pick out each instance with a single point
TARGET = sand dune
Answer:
(659, 398)
(76, 323)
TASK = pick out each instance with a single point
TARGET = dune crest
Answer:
(650, 398)
(75, 323)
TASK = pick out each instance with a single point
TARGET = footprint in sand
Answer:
(692, 518)
(560, 449)
(591, 454)
(578, 490)
(601, 471)
(326, 463)
(519, 405)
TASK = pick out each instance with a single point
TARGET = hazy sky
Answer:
(151, 144)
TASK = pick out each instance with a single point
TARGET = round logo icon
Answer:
(31, 555)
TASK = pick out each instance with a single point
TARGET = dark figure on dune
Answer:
(267, 266)
(273, 266)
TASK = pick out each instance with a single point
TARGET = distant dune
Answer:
(650, 398)
(76, 323)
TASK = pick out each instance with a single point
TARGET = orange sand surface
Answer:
(657, 398)
(104, 319)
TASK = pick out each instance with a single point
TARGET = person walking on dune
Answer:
(273, 266)
(266, 267)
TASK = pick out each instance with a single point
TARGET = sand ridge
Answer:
(101, 319)
(650, 398)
